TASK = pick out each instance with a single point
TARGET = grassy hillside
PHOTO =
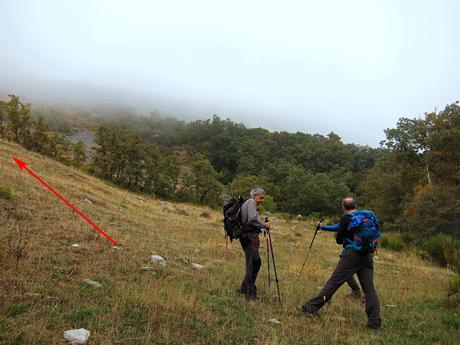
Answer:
(176, 304)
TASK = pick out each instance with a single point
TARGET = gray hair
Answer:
(256, 191)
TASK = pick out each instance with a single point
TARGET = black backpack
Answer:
(233, 225)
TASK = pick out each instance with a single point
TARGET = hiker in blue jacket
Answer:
(351, 262)
(355, 289)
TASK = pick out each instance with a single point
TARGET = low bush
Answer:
(5, 193)
(408, 237)
(443, 249)
(391, 241)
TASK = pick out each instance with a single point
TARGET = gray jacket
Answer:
(250, 216)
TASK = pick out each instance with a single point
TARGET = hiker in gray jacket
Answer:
(250, 241)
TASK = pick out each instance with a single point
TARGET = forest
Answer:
(411, 181)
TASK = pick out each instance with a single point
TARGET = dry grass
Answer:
(176, 304)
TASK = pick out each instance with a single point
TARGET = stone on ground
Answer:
(197, 266)
(77, 336)
(92, 283)
(158, 260)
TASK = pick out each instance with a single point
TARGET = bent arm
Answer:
(330, 227)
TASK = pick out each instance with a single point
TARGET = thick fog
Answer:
(352, 67)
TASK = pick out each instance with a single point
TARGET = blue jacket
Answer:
(341, 228)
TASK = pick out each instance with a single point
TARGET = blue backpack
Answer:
(366, 231)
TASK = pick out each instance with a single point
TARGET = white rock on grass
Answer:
(145, 268)
(158, 260)
(197, 266)
(77, 336)
(92, 283)
(275, 321)
(75, 245)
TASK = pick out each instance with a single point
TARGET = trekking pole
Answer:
(309, 249)
(268, 256)
(274, 264)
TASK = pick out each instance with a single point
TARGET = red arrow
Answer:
(23, 166)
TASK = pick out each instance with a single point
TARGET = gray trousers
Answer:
(250, 244)
(349, 264)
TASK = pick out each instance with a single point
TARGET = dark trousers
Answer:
(353, 284)
(352, 281)
(349, 264)
(250, 244)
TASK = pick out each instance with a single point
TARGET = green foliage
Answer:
(79, 154)
(391, 241)
(5, 193)
(434, 209)
(444, 249)
(200, 183)
(128, 160)
(269, 204)
(17, 124)
(249, 157)
(81, 314)
(18, 309)
(243, 184)
(305, 192)
(416, 185)
(15, 120)
(408, 237)
(383, 189)
(454, 284)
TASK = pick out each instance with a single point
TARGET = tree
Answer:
(434, 209)
(18, 119)
(416, 182)
(384, 189)
(199, 183)
(79, 154)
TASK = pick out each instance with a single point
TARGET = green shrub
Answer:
(268, 204)
(443, 249)
(454, 284)
(408, 237)
(5, 193)
(391, 241)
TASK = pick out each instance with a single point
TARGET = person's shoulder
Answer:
(346, 216)
(251, 201)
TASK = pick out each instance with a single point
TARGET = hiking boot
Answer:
(307, 311)
(251, 293)
(374, 325)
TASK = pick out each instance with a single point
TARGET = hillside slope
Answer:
(176, 304)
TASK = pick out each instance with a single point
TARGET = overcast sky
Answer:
(352, 67)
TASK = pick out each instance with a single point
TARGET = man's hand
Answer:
(319, 224)
(268, 225)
